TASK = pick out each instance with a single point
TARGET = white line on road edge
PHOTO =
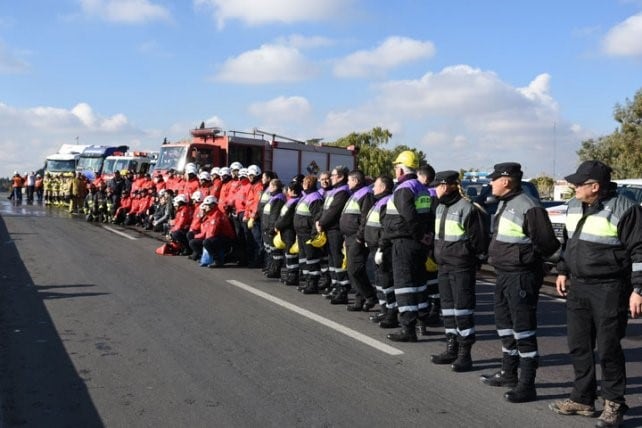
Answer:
(321, 320)
(118, 232)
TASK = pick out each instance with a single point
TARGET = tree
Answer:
(545, 186)
(622, 150)
(374, 159)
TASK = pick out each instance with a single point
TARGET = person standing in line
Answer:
(407, 227)
(325, 280)
(306, 214)
(522, 238)
(461, 236)
(335, 199)
(602, 255)
(31, 186)
(39, 188)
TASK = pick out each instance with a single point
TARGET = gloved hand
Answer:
(378, 257)
(250, 223)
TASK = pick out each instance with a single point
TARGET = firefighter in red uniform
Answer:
(226, 187)
(216, 233)
(250, 219)
(181, 222)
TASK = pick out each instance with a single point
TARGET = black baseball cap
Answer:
(591, 170)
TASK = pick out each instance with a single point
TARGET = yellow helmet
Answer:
(279, 244)
(294, 249)
(318, 240)
(431, 266)
(407, 158)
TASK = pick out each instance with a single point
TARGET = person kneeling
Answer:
(216, 233)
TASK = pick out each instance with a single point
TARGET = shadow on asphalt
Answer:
(39, 385)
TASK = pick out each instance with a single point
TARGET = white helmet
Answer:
(190, 168)
(204, 175)
(216, 170)
(243, 172)
(225, 171)
(179, 199)
(197, 196)
(253, 170)
(210, 200)
(236, 165)
(161, 193)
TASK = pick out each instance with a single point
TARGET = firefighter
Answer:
(90, 205)
(325, 281)
(17, 183)
(270, 214)
(251, 226)
(285, 226)
(407, 227)
(307, 212)
(351, 224)
(461, 237)
(216, 233)
(522, 238)
(181, 222)
(603, 257)
(49, 185)
(226, 186)
(239, 198)
(384, 285)
(191, 183)
(335, 200)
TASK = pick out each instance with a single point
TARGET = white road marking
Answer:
(118, 232)
(321, 320)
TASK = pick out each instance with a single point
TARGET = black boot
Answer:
(525, 389)
(274, 270)
(434, 315)
(507, 376)
(325, 282)
(379, 316)
(357, 305)
(390, 320)
(341, 297)
(450, 354)
(312, 285)
(292, 277)
(329, 293)
(464, 362)
(406, 334)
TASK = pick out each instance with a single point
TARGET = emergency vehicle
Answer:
(139, 161)
(210, 147)
(65, 161)
(92, 159)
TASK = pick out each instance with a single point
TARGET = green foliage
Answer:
(545, 186)
(622, 149)
(373, 158)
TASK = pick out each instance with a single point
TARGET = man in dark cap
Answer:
(603, 257)
(522, 238)
(461, 237)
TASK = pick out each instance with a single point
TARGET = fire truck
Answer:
(210, 147)
(92, 159)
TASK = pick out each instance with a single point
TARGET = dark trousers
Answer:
(357, 254)
(335, 259)
(409, 275)
(597, 315)
(239, 243)
(516, 297)
(457, 290)
(216, 246)
(309, 257)
(384, 283)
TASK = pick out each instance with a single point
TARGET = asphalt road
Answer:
(97, 330)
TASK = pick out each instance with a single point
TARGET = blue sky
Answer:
(469, 83)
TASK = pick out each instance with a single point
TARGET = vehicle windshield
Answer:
(170, 157)
(108, 168)
(61, 165)
(90, 164)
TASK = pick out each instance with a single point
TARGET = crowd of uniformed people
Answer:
(409, 244)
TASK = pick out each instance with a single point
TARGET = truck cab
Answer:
(92, 159)
(129, 161)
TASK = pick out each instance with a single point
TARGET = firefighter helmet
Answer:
(210, 200)
(294, 249)
(225, 171)
(243, 172)
(215, 171)
(318, 240)
(190, 168)
(236, 165)
(278, 242)
(197, 196)
(204, 175)
(253, 170)
(407, 158)
(179, 199)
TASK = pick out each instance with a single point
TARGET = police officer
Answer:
(461, 236)
(335, 199)
(602, 254)
(522, 238)
(352, 223)
(407, 226)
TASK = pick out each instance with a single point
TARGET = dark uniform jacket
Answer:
(307, 212)
(522, 234)
(335, 199)
(354, 213)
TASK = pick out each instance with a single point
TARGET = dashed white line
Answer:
(318, 318)
(118, 232)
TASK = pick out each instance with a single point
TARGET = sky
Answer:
(470, 83)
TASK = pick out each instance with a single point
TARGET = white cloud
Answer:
(269, 63)
(391, 53)
(281, 111)
(465, 117)
(256, 12)
(625, 39)
(10, 63)
(30, 134)
(125, 11)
